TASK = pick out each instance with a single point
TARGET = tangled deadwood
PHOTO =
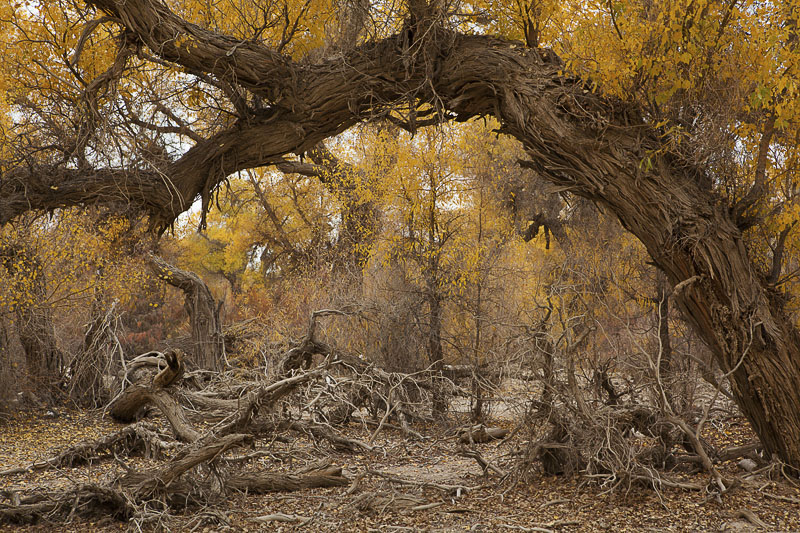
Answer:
(619, 444)
(196, 466)
(183, 480)
(142, 437)
(85, 501)
(219, 429)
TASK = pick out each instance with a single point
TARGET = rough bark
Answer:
(207, 339)
(261, 482)
(591, 145)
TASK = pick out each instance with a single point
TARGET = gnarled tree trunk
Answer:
(595, 148)
(208, 343)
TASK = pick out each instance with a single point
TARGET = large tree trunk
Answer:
(576, 138)
(595, 148)
(208, 343)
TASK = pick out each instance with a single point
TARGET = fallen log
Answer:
(481, 434)
(262, 482)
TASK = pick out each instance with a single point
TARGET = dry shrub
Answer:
(394, 332)
(90, 374)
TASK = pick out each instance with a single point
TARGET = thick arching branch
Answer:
(49, 187)
(184, 43)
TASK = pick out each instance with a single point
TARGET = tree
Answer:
(208, 343)
(688, 154)
(28, 300)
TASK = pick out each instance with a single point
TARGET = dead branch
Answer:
(144, 484)
(781, 498)
(403, 429)
(381, 501)
(450, 489)
(268, 395)
(280, 517)
(483, 463)
(700, 450)
(481, 434)
(141, 434)
(751, 517)
(339, 442)
(735, 452)
(130, 405)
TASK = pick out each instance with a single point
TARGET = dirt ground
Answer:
(444, 491)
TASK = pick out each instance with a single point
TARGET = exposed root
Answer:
(86, 501)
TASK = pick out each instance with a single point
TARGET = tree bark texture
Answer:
(589, 144)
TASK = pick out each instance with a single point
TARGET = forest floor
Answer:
(448, 492)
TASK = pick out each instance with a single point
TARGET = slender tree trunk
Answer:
(42, 355)
(477, 374)
(666, 365)
(477, 368)
(208, 344)
(435, 350)
(8, 386)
